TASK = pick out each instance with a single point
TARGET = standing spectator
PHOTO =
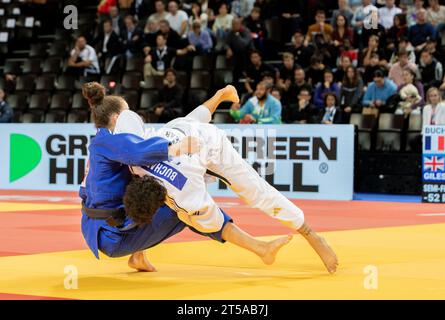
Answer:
(434, 111)
(200, 39)
(140, 9)
(327, 86)
(341, 32)
(431, 70)
(262, 108)
(177, 18)
(170, 98)
(301, 52)
(290, 93)
(332, 113)
(419, 33)
(397, 69)
(387, 13)
(223, 22)
(160, 13)
(131, 37)
(108, 47)
(303, 111)
(378, 93)
(116, 20)
(255, 71)
(351, 93)
(286, 71)
(238, 43)
(5, 109)
(257, 27)
(344, 10)
(161, 58)
(360, 15)
(319, 27)
(83, 59)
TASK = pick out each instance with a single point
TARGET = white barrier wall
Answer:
(302, 161)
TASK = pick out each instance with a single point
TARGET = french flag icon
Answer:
(435, 143)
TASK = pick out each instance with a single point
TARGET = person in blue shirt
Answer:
(379, 91)
(105, 226)
(262, 108)
(5, 109)
(200, 39)
(327, 86)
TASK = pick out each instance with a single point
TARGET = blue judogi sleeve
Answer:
(133, 150)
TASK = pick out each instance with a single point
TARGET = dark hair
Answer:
(143, 197)
(102, 106)
(402, 19)
(254, 51)
(379, 74)
(346, 21)
(169, 70)
(348, 82)
(402, 52)
(330, 94)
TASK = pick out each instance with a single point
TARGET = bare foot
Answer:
(139, 261)
(229, 93)
(325, 252)
(272, 248)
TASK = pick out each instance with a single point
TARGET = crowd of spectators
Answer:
(335, 59)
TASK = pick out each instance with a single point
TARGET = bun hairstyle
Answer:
(102, 106)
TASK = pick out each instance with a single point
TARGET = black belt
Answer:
(114, 217)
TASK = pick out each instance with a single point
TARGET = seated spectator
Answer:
(255, 71)
(344, 10)
(431, 70)
(436, 16)
(397, 69)
(411, 94)
(403, 45)
(387, 13)
(351, 93)
(373, 47)
(319, 27)
(173, 38)
(131, 37)
(161, 57)
(177, 18)
(332, 112)
(108, 47)
(116, 20)
(83, 59)
(436, 51)
(327, 86)
(315, 71)
(262, 108)
(160, 14)
(398, 31)
(341, 32)
(242, 8)
(301, 52)
(286, 71)
(411, 12)
(238, 44)
(200, 39)
(434, 112)
(257, 27)
(198, 16)
(276, 93)
(140, 9)
(151, 30)
(223, 22)
(367, 32)
(5, 109)
(419, 33)
(303, 111)
(170, 99)
(289, 12)
(345, 63)
(378, 93)
(291, 92)
(371, 68)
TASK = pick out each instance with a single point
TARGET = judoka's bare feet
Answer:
(229, 93)
(322, 248)
(139, 261)
(271, 249)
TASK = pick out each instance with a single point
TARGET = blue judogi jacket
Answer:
(108, 175)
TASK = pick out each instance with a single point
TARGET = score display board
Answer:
(433, 164)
